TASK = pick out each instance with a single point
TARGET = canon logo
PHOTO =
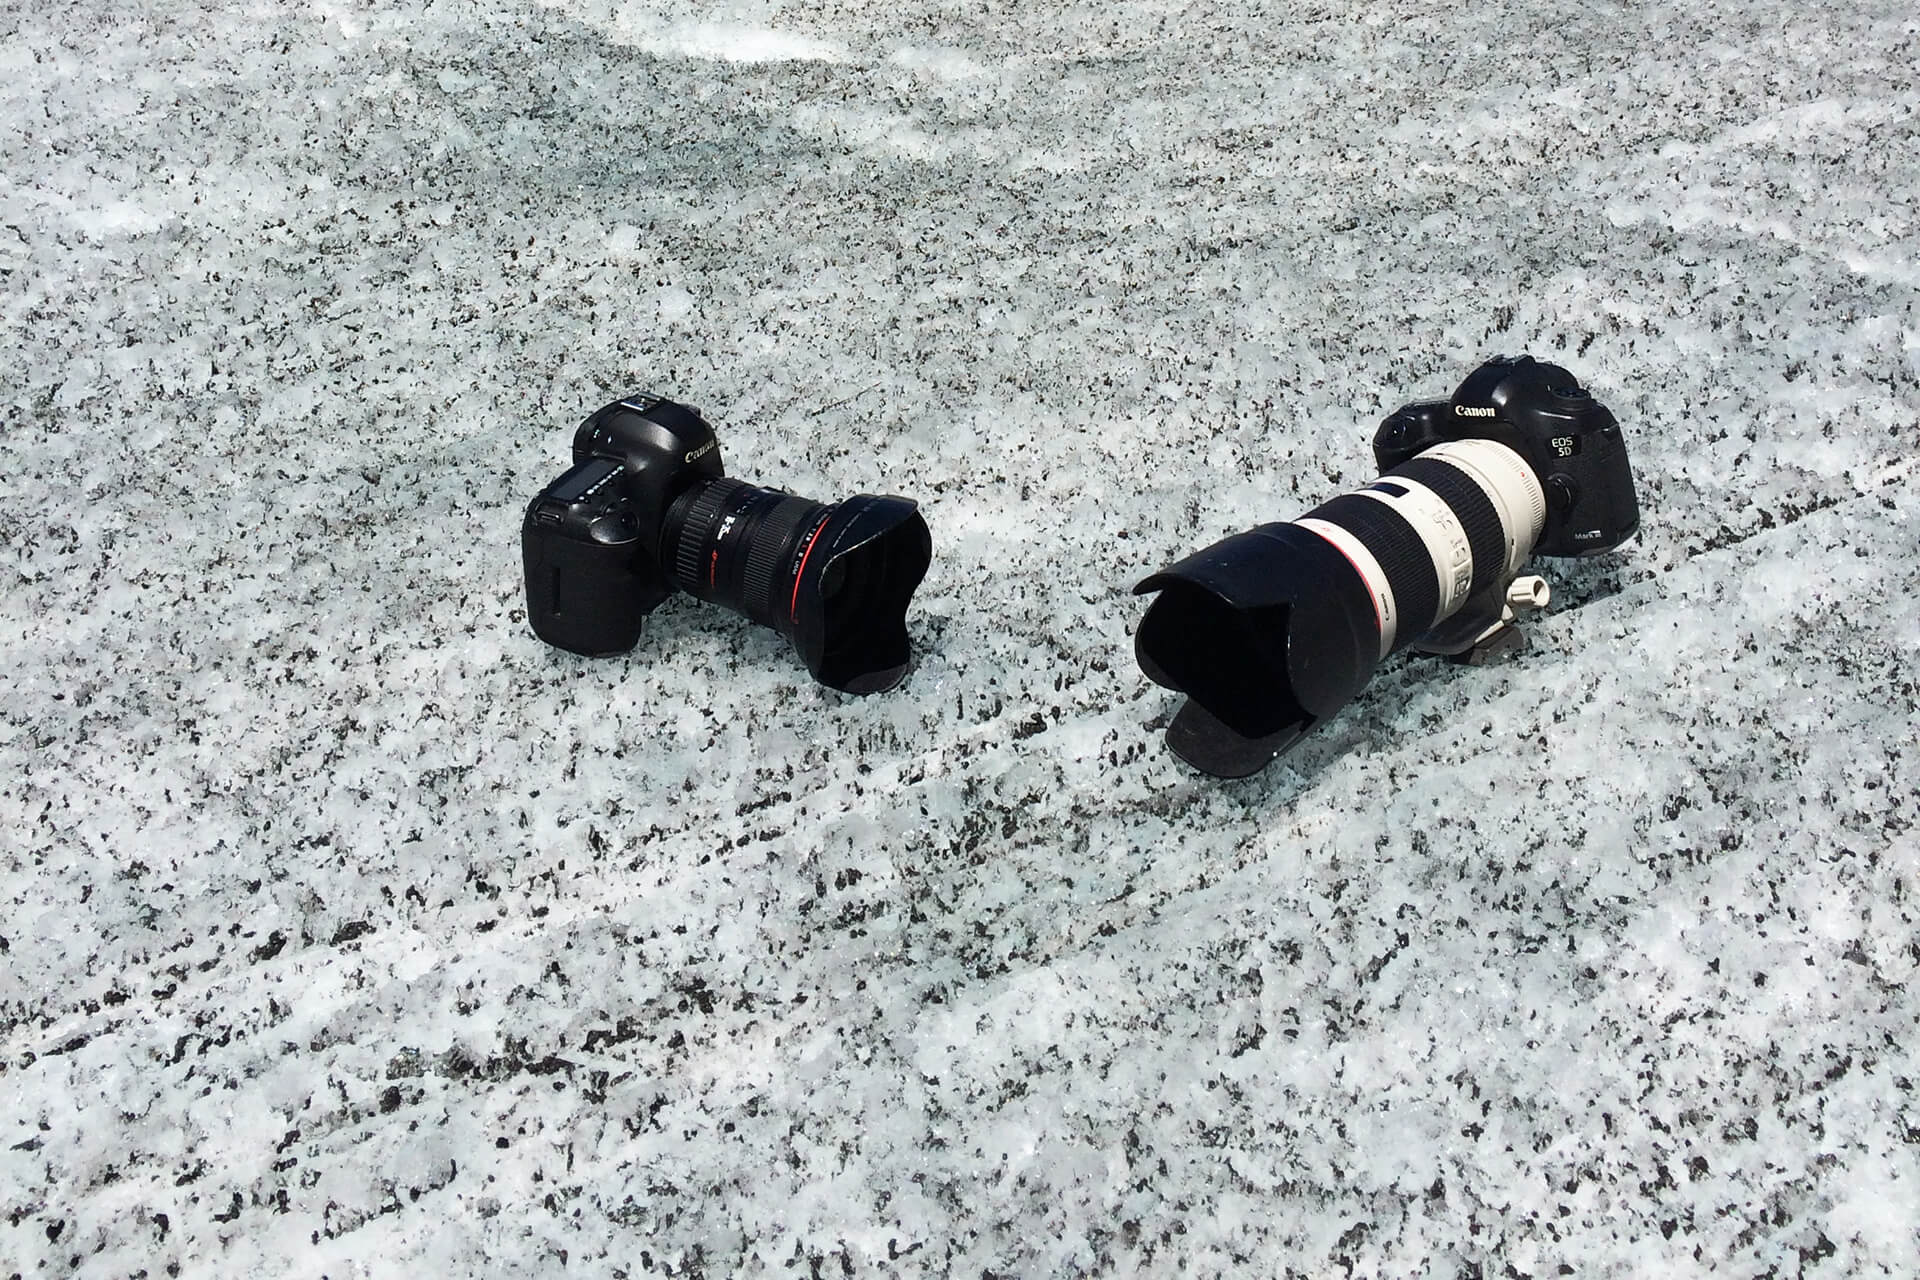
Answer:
(1472, 411)
(702, 451)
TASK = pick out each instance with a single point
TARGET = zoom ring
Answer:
(695, 530)
(1478, 517)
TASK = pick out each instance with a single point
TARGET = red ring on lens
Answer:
(793, 605)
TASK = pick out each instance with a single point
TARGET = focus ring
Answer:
(1402, 555)
(769, 550)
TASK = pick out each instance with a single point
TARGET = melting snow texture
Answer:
(348, 930)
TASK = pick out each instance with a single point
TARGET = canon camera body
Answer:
(1272, 631)
(647, 509)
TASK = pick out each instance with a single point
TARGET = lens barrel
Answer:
(1272, 631)
(835, 580)
(725, 538)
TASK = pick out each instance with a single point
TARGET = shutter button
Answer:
(611, 530)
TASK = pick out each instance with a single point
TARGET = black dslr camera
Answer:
(646, 507)
(1272, 631)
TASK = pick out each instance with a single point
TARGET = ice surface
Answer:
(351, 931)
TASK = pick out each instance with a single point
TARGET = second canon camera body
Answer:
(647, 509)
(1272, 631)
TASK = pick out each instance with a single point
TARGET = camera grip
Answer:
(582, 595)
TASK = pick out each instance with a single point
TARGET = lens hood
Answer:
(847, 613)
(1268, 633)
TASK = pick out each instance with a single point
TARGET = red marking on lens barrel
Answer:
(1379, 615)
(793, 605)
(1379, 618)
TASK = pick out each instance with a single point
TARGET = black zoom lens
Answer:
(1272, 631)
(835, 580)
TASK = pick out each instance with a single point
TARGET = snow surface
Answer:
(348, 930)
